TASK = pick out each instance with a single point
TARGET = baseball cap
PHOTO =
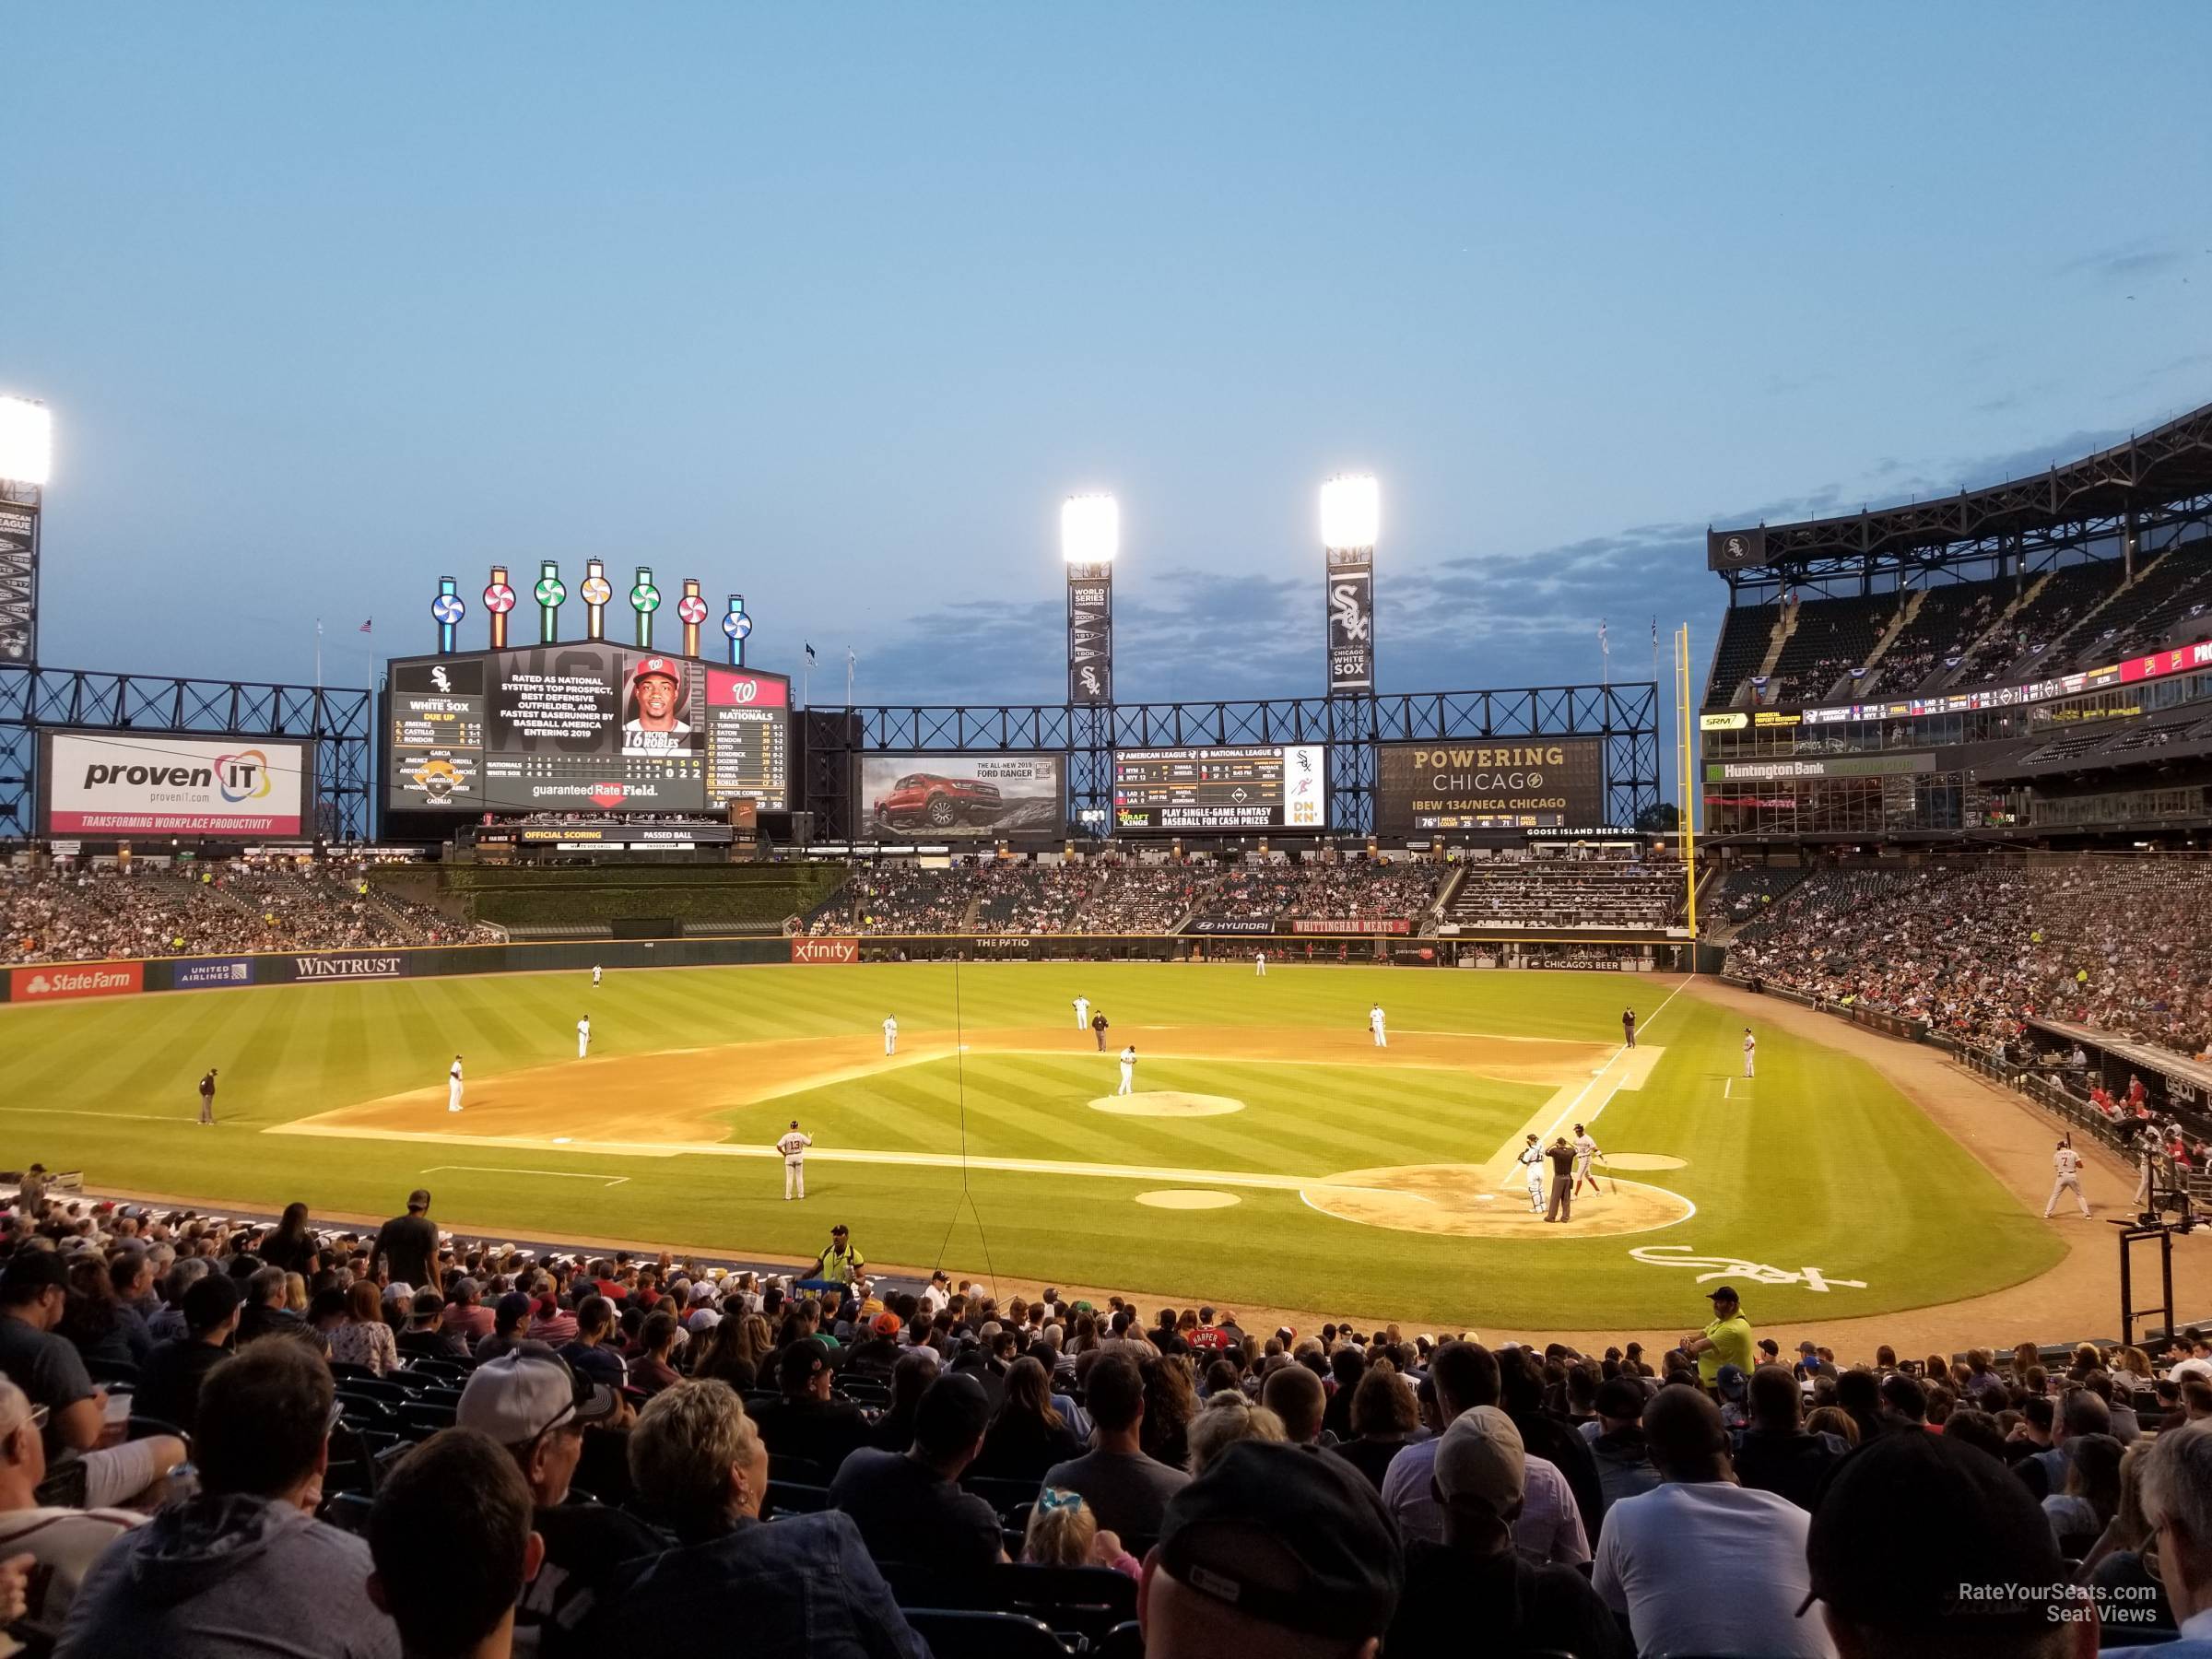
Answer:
(33, 1270)
(1290, 1538)
(513, 1310)
(1729, 1379)
(701, 1291)
(210, 1300)
(886, 1324)
(521, 1396)
(802, 1362)
(1723, 1293)
(839, 1230)
(421, 1197)
(1481, 1458)
(951, 1416)
(1619, 1398)
(1972, 1529)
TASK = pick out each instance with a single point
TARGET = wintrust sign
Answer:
(348, 967)
(825, 950)
(55, 984)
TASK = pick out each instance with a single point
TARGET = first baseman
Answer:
(1128, 1070)
(1082, 1013)
(1750, 1054)
(1374, 1024)
(584, 1036)
(890, 1034)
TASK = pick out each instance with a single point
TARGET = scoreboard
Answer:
(588, 727)
(1251, 786)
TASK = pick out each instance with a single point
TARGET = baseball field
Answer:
(1269, 1155)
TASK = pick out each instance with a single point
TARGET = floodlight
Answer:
(1351, 512)
(26, 441)
(1090, 529)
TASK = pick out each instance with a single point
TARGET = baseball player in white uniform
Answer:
(1259, 963)
(2066, 1166)
(890, 1034)
(1750, 1054)
(1585, 1149)
(793, 1146)
(1128, 1071)
(584, 1037)
(1374, 1024)
(453, 1086)
(595, 971)
(1082, 1013)
(1532, 1162)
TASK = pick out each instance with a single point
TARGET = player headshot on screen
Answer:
(657, 696)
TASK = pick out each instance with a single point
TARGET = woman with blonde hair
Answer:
(1063, 1532)
(1225, 1420)
(1833, 1419)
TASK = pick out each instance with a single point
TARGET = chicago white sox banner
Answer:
(1090, 633)
(1351, 619)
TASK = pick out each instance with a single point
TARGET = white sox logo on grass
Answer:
(348, 967)
(1735, 1268)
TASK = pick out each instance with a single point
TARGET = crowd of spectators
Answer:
(1974, 950)
(405, 1443)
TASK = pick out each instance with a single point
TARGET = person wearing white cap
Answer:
(890, 1034)
(534, 1405)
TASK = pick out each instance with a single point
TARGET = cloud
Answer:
(2112, 265)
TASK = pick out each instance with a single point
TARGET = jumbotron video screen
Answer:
(589, 727)
(1248, 786)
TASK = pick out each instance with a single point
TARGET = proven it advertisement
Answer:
(126, 783)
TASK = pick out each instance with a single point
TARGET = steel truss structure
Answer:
(2124, 502)
(336, 719)
(1626, 715)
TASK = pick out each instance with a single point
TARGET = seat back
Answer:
(985, 1635)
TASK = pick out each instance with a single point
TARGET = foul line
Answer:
(612, 1180)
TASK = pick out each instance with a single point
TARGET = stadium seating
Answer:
(1833, 636)
(1560, 895)
(1747, 633)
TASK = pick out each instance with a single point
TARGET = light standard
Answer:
(26, 464)
(1351, 512)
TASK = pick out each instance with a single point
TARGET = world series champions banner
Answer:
(1351, 624)
(1090, 633)
(18, 578)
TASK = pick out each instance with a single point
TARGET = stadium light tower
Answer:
(1352, 514)
(25, 442)
(26, 464)
(1090, 539)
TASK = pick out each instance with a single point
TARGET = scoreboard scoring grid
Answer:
(1247, 787)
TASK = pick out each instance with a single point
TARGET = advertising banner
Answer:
(129, 782)
(1247, 787)
(19, 581)
(1353, 924)
(962, 797)
(1231, 926)
(1846, 766)
(388, 965)
(1351, 620)
(1090, 633)
(1529, 783)
(211, 973)
(821, 952)
(65, 983)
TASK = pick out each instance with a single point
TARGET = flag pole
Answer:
(318, 654)
(848, 676)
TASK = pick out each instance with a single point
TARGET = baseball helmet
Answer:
(665, 668)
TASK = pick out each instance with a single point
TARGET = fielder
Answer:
(595, 976)
(453, 1086)
(890, 1034)
(2065, 1165)
(584, 1036)
(1750, 1054)
(793, 1146)
(1374, 1024)
(1531, 1161)
(1585, 1149)
(1128, 1071)
(1259, 963)
(1082, 1013)
(207, 1098)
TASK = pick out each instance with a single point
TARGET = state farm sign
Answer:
(53, 984)
(825, 950)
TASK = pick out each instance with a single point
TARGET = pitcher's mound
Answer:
(1450, 1198)
(1167, 1102)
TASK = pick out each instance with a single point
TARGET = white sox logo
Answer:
(442, 680)
(1346, 615)
(1735, 1268)
(1089, 677)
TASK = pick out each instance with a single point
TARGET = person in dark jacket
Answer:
(168, 1383)
(1026, 1435)
(1777, 1453)
(806, 1423)
(264, 1313)
(802, 1587)
(1624, 1460)
(1521, 1382)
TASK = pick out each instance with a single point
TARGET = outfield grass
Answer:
(1819, 1163)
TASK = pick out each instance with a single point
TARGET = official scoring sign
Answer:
(1529, 783)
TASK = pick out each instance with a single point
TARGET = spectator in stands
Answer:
(466, 1315)
(806, 1423)
(290, 1246)
(1475, 1581)
(1624, 1458)
(1383, 1418)
(243, 1565)
(2079, 1413)
(1225, 1419)
(1521, 1386)
(1659, 1552)
(264, 1313)
(426, 1336)
(909, 1505)
(1294, 1393)
(1776, 1452)
(651, 1372)
(63, 1542)
(1274, 1553)
(2084, 1507)
(510, 1320)
(592, 1353)
(451, 1537)
(364, 1339)
(50, 1373)
(1924, 1549)
(169, 1388)
(1128, 1491)
(530, 1403)
(1027, 1435)
(93, 1320)
(1063, 1531)
(804, 1588)
(407, 1246)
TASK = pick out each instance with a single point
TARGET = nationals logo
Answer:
(825, 950)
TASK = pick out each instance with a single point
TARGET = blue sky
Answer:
(832, 306)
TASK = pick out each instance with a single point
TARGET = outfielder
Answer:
(1532, 1162)
(595, 976)
(1082, 1013)
(2065, 1165)
(1585, 1149)
(1750, 1054)
(793, 1146)
(584, 1036)
(1259, 964)
(1374, 1024)
(1128, 1070)
(890, 1034)
(453, 1086)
